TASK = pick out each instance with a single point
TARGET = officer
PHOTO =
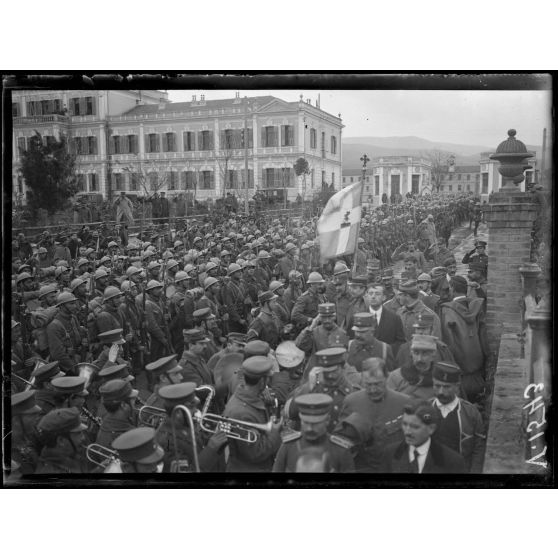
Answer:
(111, 345)
(290, 360)
(45, 396)
(25, 443)
(327, 377)
(461, 427)
(365, 345)
(66, 338)
(62, 434)
(194, 366)
(247, 404)
(305, 308)
(174, 434)
(266, 326)
(357, 286)
(477, 255)
(314, 413)
(118, 399)
(138, 451)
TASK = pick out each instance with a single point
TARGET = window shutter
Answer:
(165, 143)
(93, 105)
(146, 143)
(264, 142)
(211, 146)
(222, 139)
(82, 105)
(200, 141)
(157, 143)
(111, 145)
(123, 140)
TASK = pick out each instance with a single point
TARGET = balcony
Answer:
(46, 119)
(285, 150)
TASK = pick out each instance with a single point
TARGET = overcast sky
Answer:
(467, 117)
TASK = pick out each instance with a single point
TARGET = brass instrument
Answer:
(151, 416)
(104, 457)
(86, 370)
(234, 429)
(177, 462)
(31, 383)
(209, 397)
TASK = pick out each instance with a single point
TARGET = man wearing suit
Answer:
(390, 327)
(419, 453)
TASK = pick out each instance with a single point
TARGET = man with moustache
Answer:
(343, 297)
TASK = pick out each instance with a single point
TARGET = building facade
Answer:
(393, 176)
(139, 142)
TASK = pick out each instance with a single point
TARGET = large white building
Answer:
(125, 139)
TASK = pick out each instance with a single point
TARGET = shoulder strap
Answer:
(341, 441)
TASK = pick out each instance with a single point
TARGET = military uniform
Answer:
(359, 352)
(410, 315)
(156, 327)
(305, 308)
(233, 298)
(266, 327)
(195, 369)
(64, 341)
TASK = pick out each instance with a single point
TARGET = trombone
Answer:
(104, 457)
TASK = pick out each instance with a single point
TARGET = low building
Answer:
(135, 140)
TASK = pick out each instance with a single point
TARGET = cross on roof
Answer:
(364, 160)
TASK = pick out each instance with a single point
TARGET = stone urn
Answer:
(512, 155)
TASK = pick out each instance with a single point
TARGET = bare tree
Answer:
(439, 161)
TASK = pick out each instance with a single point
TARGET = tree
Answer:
(49, 172)
(439, 161)
(302, 168)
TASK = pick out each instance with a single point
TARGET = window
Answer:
(89, 105)
(152, 144)
(312, 179)
(205, 141)
(250, 133)
(333, 179)
(458, 177)
(450, 188)
(172, 180)
(189, 141)
(415, 181)
(229, 140)
(206, 180)
(368, 178)
(323, 178)
(377, 185)
(189, 180)
(468, 187)
(269, 136)
(115, 147)
(313, 138)
(93, 183)
(468, 177)
(395, 184)
(50, 140)
(15, 109)
(81, 183)
(344, 179)
(132, 144)
(287, 135)
(333, 144)
(323, 144)
(153, 178)
(92, 145)
(485, 183)
(169, 142)
(21, 144)
(133, 180)
(250, 178)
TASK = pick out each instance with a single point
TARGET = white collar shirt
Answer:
(376, 313)
(422, 451)
(447, 408)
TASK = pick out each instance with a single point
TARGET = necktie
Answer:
(415, 464)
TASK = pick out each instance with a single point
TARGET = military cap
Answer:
(100, 273)
(115, 372)
(331, 357)
(203, 314)
(239, 338)
(314, 407)
(190, 268)
(117, 390)
(340, 267)
(266, 296)
(70, 385)
(458, 280)
(257, 366)
(23, 276)
(387, 275)
(326, 309)
(164, 365)
(360, 280)
(233, 268)
(47, 372)
(153, 284)
(263, 255)
(23, 403)
(438, 272)
(138, 446)
(177, 394)
(195, 335)
(446, 372)
(477, 266)
(424, 320)
(288, 355)
(51, 288)
(424, 277)
(256, 348)
(409, 287)
(363, 321)
(449, 261)
(64, 298)
(181, 276)
(111, 336)
(274, 285)
(60, 421)
(210, 265)
(425, 342)
(480, 243)
(171, 263)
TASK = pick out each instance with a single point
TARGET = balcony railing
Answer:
(46, 119)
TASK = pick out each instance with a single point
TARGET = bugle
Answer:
(151, 416)
(104, 457)
(232, 428)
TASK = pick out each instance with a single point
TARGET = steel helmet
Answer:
(340, 267)
(153, 285)
(274, 285)
(57, 272)
(100, 273)
(290, 246)
(189, 268)
(210, 281)
(82, 261)
(233, 268)
(153, 265)
(181, 276)
(64, 298)
(76, 283)
(210, 265)
(263, 255)
(23, 276)
(171, 264)
(178, 243)
(315, 277)
(126, 286)
(47, 289)
(111, 292)
(132, 270)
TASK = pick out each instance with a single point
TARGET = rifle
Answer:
(143, 334)
(164, 304)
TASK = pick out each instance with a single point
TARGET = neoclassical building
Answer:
(131, 140)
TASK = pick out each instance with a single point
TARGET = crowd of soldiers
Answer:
(229, 346)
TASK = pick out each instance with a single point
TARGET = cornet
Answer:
(234, 429)
(104, 457)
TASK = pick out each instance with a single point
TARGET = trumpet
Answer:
(151, 416)
(104, 457)
(234, 429)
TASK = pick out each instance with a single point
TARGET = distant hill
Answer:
(353, 149)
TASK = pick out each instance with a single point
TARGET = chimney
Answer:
(202, 98)
(238, 94)
(309, 101)
(194, 98)
(317, 104)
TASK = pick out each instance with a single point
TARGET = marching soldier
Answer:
(305, 308)
(133, 317)
(266, 326)
(314, 413)
(293, 290)
(155, 320)
(233, 298)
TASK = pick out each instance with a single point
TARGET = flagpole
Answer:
(364, 160)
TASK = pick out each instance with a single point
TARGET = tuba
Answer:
(103, 457)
